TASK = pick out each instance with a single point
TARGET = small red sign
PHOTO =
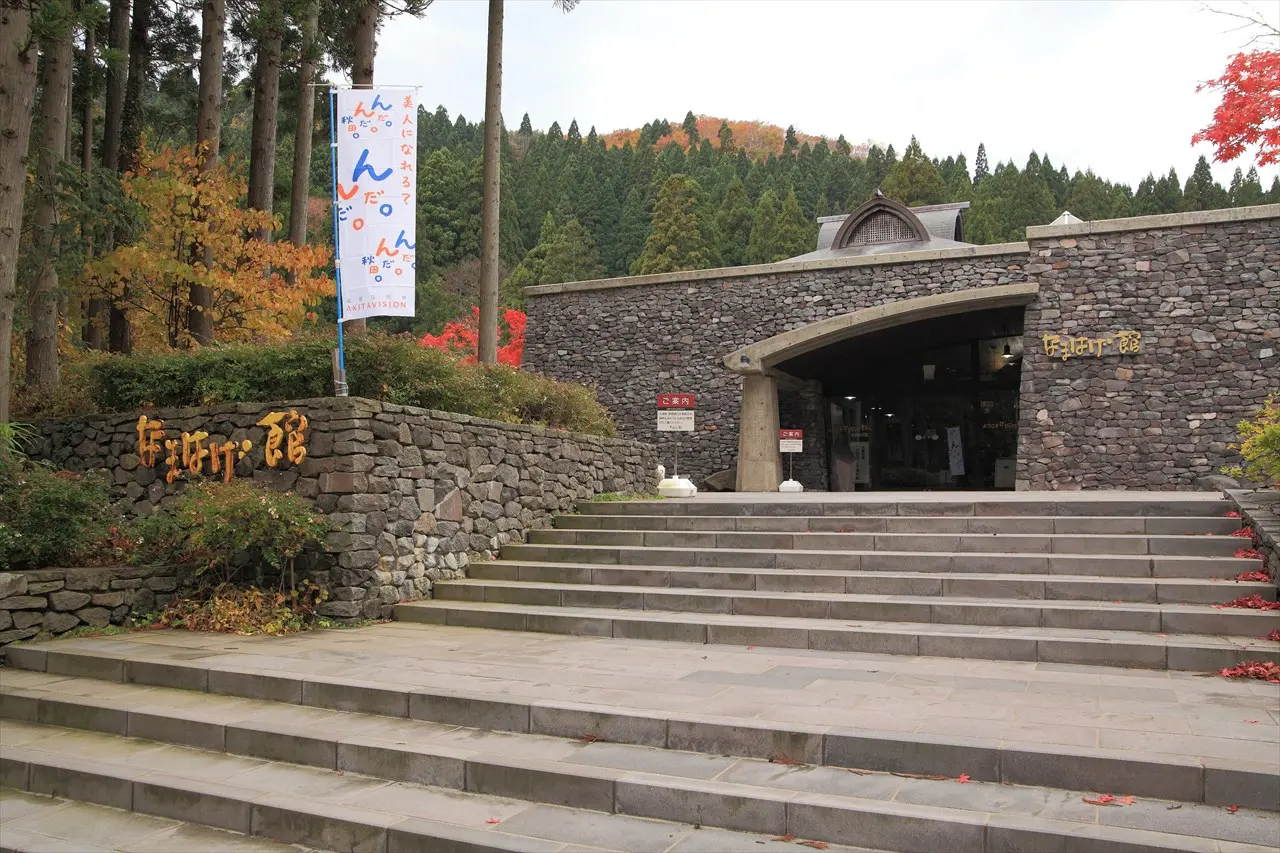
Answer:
(790, 433)
(675, 401)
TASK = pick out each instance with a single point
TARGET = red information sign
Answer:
(790, 433)
(675, 401)
(791, 441)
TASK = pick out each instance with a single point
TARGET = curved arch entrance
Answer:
(919, 393)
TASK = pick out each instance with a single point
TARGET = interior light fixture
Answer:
(851, 398)
(1008, 353)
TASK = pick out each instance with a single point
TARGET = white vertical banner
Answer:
(955, 451)
(376, 134)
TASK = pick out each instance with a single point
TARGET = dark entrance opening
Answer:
(926, 405)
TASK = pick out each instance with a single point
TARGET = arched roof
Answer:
(883, 225)
(880, 220)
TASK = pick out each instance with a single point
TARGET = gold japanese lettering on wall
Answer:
(1066, 346)
(191, 451)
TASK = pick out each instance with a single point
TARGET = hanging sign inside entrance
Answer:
(955, 451)
(675, 412)
(791, 441)
(861, 462)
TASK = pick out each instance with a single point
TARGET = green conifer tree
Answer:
(526, 126)
(574, 135)
(676, 240)
(762, 247)
(725, 135)
(1273, 194)
(789, 141)
(915, 180)
(733, 224)
(1250, 190)
(980, 168)
(690, 126)
(1168, 193)
(1088, 198)
(796, 231)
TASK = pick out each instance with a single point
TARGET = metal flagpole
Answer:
(340, 373)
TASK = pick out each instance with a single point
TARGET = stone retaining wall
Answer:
(411, 495)
(1260, 510)
(54, 601)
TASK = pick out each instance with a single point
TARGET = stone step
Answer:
(980, 584)
(1150, 504)
(955, 610)
(1070, 525)
(1007, 543)
(37, 823)
(1050, 645)
(324, 806)
(1105, 565)
(666, 783)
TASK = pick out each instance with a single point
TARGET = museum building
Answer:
(1106, 354)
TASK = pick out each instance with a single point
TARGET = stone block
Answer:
(98, 617)
(281, 743)
(44, 587)
(12, 584)
(196, 801)
(108, 599)
(403, 762)
(16, 634)
(89, 579)
(68, 600)
(57, 623)
(25, 602)
(580, 787)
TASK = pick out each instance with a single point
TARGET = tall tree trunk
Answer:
(120, 336)
(300, 191)
(366, 40)
(117, 77)
(50, 151)
(208, 137)
(491, 190)
(266, 104)
(17, 91)
(86, 102)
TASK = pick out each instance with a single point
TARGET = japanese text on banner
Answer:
(377, 200)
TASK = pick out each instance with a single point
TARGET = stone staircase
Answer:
(767, 735)
(1118, 580)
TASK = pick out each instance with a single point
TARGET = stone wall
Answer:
(1204, 291)
(411, 495)
(1202, 288)
(1260, 511)
(54, 601)
(632, 339)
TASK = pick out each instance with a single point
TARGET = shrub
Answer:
(221, 528)
(248, 610)
(383, 367)
(1260, 444)
(48, 517)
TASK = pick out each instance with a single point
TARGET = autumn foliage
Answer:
(461, 337)
(757, 138)
(1249, 113)
(260, 288)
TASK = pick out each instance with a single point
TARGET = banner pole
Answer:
(340, 372)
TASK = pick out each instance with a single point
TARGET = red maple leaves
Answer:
(462, 337)
(1249, 113)
(1248, 554)
(1251, 602)
(1268, 671)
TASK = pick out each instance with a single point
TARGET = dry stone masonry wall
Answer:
(1205, 297)
(632, 343)
(55, 601)
(411, 495)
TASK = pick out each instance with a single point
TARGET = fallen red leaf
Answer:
(1249, 554)
(932, 776)
(1231, 514)
(589, 738)
(1128, 801)
(782, 759)
(816, 845)
(963, 777)
(787, 837)
(493, 820)
(1243, 533)
(1101, 800)
(1268, 671)
(1166, 636)
(1251, 602)
(1274, 636)
(1251, 721)
(1233, 809)
(751, 648)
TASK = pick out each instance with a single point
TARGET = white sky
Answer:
(1106, 85)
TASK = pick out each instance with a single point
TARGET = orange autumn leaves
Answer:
(261, 289)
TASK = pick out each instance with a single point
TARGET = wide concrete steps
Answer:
(992, 560)
(38, 823)
(947, 504)
(992, 585)
(999, 642)
(358, 780)
(591, 518)
(1008, 543)
(951, 610)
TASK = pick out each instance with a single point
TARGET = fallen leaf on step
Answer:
(787, 837)
(1170, 808)
(1102, 800)
(1166, 636)
(1233, 809)
(751, 648)
(963, 778)
(1251, 721)
(858, 772)
(493, 820)
(589, 738)
(782, 759)
(816, 845)
(1128, 801)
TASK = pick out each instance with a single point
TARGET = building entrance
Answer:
(929, 405)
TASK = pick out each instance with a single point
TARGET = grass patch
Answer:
(626, 496)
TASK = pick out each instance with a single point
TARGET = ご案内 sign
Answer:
(675, 412)
(791, 441)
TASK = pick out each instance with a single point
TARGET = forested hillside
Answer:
(576, 207)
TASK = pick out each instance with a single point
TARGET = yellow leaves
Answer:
(260, 289)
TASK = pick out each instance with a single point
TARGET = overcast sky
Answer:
(1102, 85)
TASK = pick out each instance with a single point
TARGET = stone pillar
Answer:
(758, 458)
